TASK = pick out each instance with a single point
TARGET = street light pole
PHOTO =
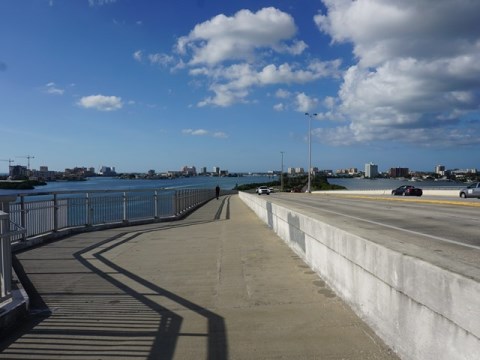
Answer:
(281, 174)
(309, 190)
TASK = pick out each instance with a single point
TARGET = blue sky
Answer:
(142, 85)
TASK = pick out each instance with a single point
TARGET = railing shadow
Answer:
(169, 327)
(101, 316)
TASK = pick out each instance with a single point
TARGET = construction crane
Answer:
(27, 157)
(10, 161)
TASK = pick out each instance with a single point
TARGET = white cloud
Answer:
(306, 103)
(220, 135)
(203, 132)
(52, 89)
(138, 55)
(198, 132)
(229, 55)
(100, 2)
(282, 94)
(232, 84)
(240, 36)
(279, 107)
(417, 70)
(101, 102)
(160, 59)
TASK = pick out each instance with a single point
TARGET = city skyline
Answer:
(217, 169)
(134, 84)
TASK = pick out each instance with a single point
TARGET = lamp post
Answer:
(309, 149)
(281, 173)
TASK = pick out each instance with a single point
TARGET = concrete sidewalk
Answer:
(216, 285)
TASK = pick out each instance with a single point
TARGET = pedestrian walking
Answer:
(217, 191)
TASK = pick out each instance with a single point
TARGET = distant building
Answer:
(18, 172)
(299, 170)
(399, 172)
(204, 170)
(173, 174)
(351, 171)
(371, 170)
(440, 170)
(107, 171)
(189, 171)
(43, 174)
(216, 170)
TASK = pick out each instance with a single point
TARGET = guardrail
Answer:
(7, 229)
(47, 213)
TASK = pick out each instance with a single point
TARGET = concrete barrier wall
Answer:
(428, 192)
(420, 310)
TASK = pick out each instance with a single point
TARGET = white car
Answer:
(263, 190)
(471, 191)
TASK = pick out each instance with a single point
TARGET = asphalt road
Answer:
(442, 230)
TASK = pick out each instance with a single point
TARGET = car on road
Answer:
(471, 191)
(407, 190)
(263, 190)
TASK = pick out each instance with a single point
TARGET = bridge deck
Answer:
(216, 285)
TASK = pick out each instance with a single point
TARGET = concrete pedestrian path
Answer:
(216, 285)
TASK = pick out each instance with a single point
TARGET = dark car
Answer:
(407, 190)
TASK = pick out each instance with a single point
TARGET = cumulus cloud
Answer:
(231, 53)
(306, 103)
(101, 102)
(417, 70)
(232, 84)
(203, 132)
(239, 36)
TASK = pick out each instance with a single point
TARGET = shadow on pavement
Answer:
(100, 313)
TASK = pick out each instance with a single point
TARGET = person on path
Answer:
(217, 191)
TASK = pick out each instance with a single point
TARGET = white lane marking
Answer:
(398, 228)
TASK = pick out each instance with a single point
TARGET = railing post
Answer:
(55, 213)
(175, 203)
(155, 204)
(5, 258)
(23, 216)
(88, 210)
(124, 196)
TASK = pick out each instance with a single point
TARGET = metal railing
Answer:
(7, 230)
(44, 213)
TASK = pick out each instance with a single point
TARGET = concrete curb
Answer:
(420, 310)
(16, 309)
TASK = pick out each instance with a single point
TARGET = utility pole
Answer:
(281, 173)
(309, 190)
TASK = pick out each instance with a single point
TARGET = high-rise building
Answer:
(399, 172)
(371, 170)
(216, 170)
(189, 170)
(440, 170)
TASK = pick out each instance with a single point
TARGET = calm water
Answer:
(226, 183)
(101, 183)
